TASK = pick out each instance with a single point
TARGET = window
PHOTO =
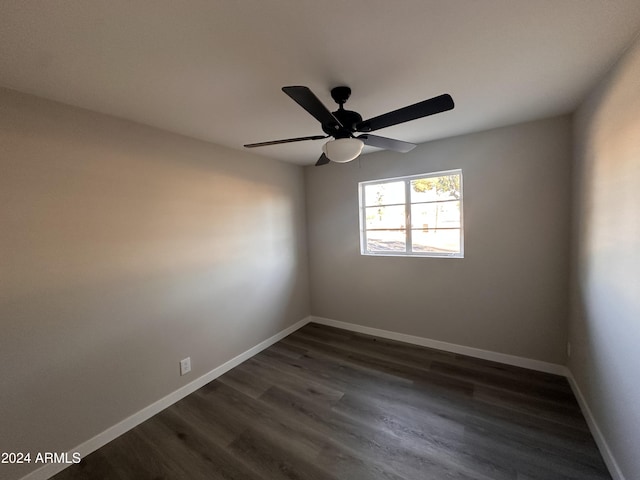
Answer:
(420, 215)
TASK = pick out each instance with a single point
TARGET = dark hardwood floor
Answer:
(326, 404)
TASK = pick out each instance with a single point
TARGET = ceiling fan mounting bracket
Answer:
(340, 95)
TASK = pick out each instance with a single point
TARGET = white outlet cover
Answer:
(185, 366)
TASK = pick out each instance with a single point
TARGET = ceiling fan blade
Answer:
(307, 100)
(323, 160)
(387, 143)
(286, 140)
(425, 108)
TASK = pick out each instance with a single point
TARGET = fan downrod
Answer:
(347, 118)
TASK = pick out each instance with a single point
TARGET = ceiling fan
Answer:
(343, 124)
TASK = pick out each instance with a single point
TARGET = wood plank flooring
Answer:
(327, 404)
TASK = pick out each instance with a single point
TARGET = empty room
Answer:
(324, 240)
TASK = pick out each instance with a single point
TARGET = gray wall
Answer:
(122, 250)
(509, 293)
(605, 307)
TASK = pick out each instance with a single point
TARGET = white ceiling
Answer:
(213, 69)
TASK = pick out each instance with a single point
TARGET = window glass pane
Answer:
(385, 217)
(435, 205)
(432, 189)
(435, 215)
(440, 241)
(386, 241)
(384, 193)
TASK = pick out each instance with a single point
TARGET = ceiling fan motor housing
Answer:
(348, 119)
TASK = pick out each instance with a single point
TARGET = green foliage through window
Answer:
(447, 184)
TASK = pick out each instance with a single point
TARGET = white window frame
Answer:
(407, 204)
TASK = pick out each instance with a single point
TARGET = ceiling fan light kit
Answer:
(343, 150)
(342, 124)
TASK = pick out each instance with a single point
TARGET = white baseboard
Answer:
(529, 363)
(603, 446)
(91, 445)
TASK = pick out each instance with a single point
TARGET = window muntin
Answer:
(430, 204)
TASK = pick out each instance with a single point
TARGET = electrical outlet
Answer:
(185, 366)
